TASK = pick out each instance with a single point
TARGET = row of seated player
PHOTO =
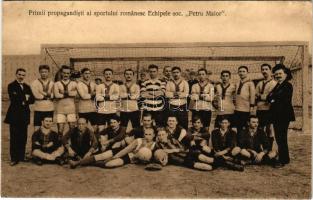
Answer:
(157, 147)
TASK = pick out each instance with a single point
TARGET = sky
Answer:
(239, 22)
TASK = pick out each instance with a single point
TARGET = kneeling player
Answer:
(224, 146)
(46, 145)
(255, 145)
(172, 151)
(80, 142)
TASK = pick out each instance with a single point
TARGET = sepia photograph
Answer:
(156, 99)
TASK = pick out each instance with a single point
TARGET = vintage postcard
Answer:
(156, 99)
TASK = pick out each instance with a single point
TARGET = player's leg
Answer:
(101, 122)
(118, 162)
(135, 119)
(61, 121)
(71, 119)
(124, 119)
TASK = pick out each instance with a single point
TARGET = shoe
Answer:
(60, 161)
(279, 165)
(234, 166)
(38, 162)
(12, 163)
(73, 164)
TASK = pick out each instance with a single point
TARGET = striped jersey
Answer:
(107, 105)
(43, 93)
(225, 95)
(263, 88)
(65, 92)
(86, 91)
(129, 93)
(202, 95)
(153, 92)
(245, 95)
(181, 87)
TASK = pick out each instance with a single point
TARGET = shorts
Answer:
(90, 116)
(126, 159)
(40, 115)
(103, 119)
(63, 118)
(264, 117)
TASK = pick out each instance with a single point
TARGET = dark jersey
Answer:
(41, 140)
(221, 142)
(257, 141)
(81, 143)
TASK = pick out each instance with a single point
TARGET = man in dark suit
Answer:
(18, 115)
(281, 110)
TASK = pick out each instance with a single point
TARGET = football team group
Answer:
(153, 121)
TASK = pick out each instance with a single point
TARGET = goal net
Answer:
(215, 57)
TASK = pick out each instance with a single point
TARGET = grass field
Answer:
(29, 180)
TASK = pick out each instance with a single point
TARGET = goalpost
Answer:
(190, 56)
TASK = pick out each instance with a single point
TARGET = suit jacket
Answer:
(280, 99)
(19, 112)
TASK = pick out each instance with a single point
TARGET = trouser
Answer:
(281, 130)
(158, 117)
(204, 115)
(181, 113)
(18, 139)
(240, 120)
(133, 117)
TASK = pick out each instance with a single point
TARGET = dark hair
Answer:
(167, 66)
(84, 70)
(266, 65)
(243, 67)
(226, 72)
(20, 69)
(203, 69)
(285, 69)
(115, 117)
(153, 66)
(171, 115)
(176, 68)
(65, 67)
(129, 70)
(222, 119)
(44, 67)
(98, 79)
(47, 116)
(252, 117)
(196, 118)
(107, 69)
(147, 115)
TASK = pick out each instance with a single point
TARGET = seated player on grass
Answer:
(139, 151)
(46, 145)
(199, 136)
(80, 142)
(113, 136)
(101, 158)
(224, 146)
(147, 123)
(170, 150)
(255, 145)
